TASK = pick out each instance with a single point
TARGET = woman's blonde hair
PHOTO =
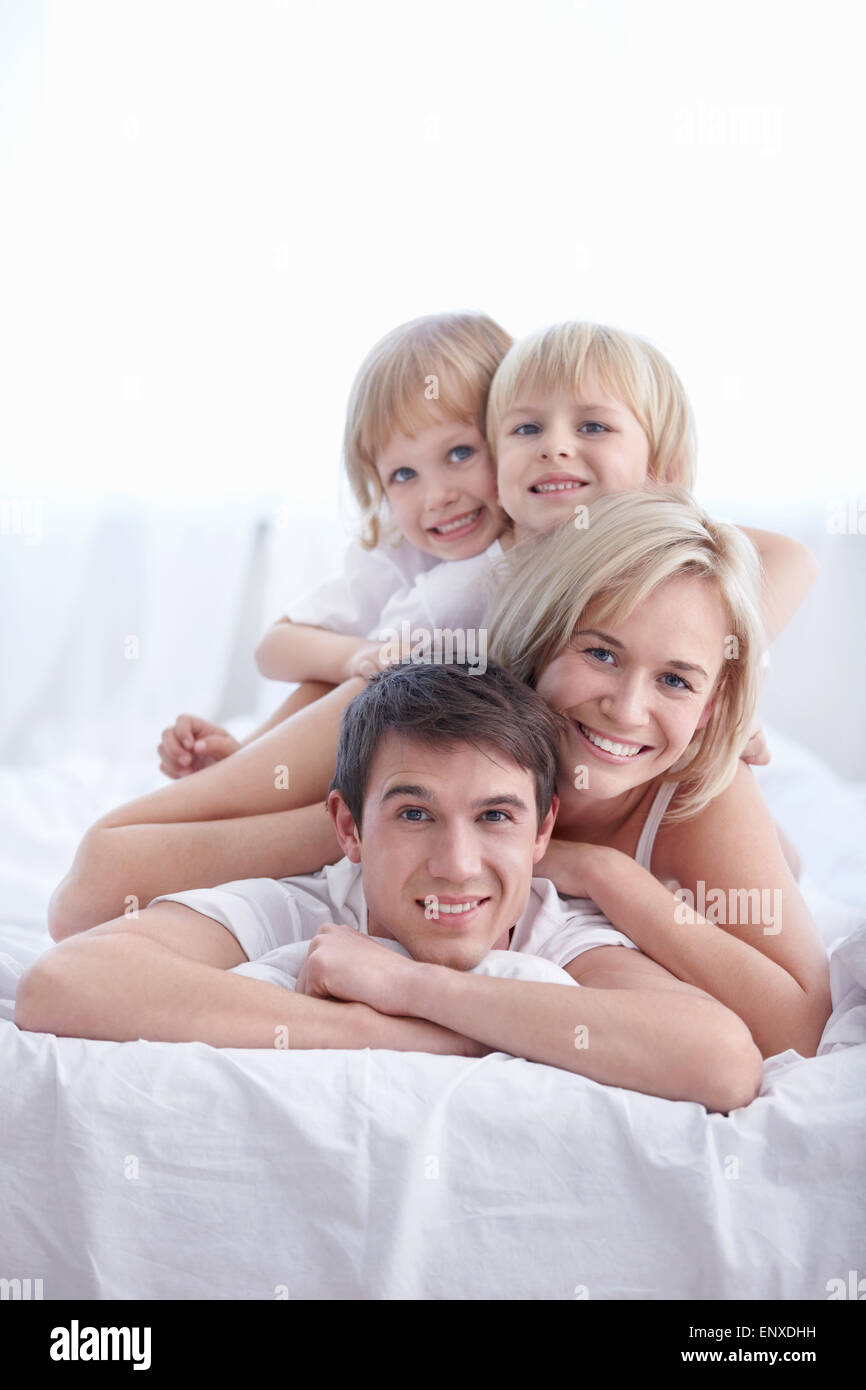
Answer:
(439, 365)
(631, 369)
(632, 543)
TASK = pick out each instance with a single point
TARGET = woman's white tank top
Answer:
(644, 852)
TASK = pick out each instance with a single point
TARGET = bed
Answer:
(179, 1171)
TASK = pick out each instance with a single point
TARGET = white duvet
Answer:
(179, 1171)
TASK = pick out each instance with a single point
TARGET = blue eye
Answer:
(599, 652)
(521, 428)
(395, 476)
(594, 427)
(683, 685)
(461, 453)
(503, 814)
(413, 811)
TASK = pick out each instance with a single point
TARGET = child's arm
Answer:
(790, 570)
(631, 1024)
(327, 626)
(449, 595)
(297, 652)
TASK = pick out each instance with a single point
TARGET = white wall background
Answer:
(209, 211)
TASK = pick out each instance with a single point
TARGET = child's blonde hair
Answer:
(441, 364)
(555, 359)
(633, 542)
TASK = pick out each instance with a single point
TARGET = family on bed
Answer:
(420, 855)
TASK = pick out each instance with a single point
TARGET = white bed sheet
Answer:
(154, 1170)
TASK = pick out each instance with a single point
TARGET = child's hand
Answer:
(193, 744)
(757, 750)
(369, 660)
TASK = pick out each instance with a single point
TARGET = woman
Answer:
(643, 631)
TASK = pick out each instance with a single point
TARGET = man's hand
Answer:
(757, 750)
(193, 744)
(344, 964)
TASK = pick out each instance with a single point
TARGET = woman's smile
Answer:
(608, 748)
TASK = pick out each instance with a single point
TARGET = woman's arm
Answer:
(193, 743)
(298, 700)
(120, 869)
(228, 821)
(737, 926)
(790, 570)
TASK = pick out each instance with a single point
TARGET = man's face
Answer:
(450, 838)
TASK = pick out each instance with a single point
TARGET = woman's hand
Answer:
(572, 866)
(344, 964)
(193, 744)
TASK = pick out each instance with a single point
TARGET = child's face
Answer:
(645, 685)
(445, 827)
(557, 451)
(443, 478)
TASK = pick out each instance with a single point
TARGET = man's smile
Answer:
(456, 912)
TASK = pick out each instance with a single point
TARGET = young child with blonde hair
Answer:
(417, 462)
(574, 412)
(577, 411)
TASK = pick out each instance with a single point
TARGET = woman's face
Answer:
(635, 693)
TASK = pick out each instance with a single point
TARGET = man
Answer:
(443, 799)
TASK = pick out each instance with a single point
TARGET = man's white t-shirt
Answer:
(274, 921)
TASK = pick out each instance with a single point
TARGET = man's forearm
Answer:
(120, 987)
(677, 1046)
